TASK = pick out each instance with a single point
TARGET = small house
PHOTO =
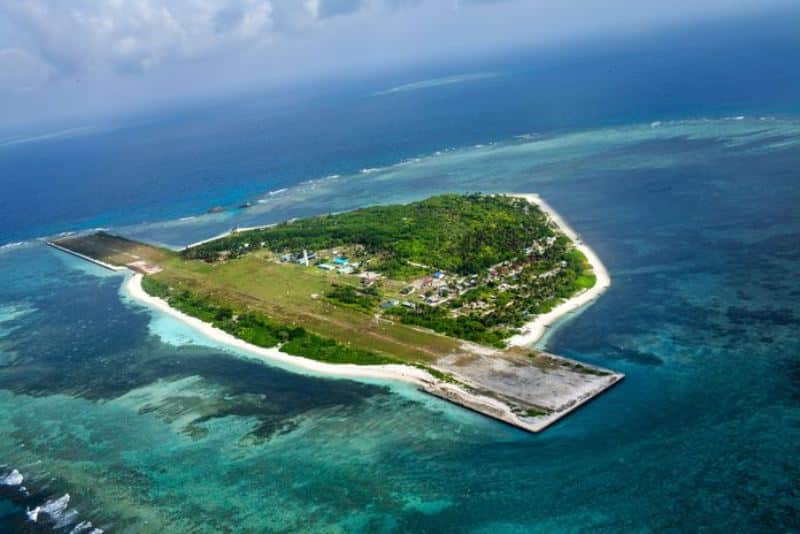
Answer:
(389, 304)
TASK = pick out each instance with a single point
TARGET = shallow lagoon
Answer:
(147, 426)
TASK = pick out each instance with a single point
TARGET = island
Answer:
(448, 293)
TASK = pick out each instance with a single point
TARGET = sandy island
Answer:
(459, 394)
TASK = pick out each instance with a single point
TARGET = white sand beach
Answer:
(534, 330)
(403, 373)
(133, 288)
(455, 393)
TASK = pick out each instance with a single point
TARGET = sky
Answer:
(62, 58)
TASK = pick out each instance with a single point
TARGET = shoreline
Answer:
(461, 394)
(87, 258)
(534, 330)
(132, 287)
(487, 406)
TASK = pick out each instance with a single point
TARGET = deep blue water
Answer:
(149, 427)
(144, 424)
(181, 162)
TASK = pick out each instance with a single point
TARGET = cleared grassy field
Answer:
(294, 295)
(287, 293)
(262, 301)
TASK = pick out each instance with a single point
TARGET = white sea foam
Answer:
(67, 518)
(9, 312)
(14, 478)
(17, 245)
(313, 182)
(370, 170)
(85, 526)
(54, 508)
(277, 191)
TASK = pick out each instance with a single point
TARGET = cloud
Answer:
(137, 35)
(92, 54)
(21, 71)
(320, 9)
(96, 36)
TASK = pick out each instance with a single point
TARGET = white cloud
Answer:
(331, 8)
(99, 36)
(21, 71)
(137, 35)
(105, 54)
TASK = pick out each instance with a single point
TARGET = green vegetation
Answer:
(365, 299)
(470, 327)
(585, 281)
(328, 350)
(462, 234)
(257, 329)
(439, 375)
(292, 294)
(505, 262)
(383, 285)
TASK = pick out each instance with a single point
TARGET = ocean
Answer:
(690, 201)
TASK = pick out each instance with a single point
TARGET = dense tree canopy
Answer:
(458, 233)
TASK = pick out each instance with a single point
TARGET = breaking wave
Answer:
(39, 508)
(14, 478)
(16, 245)
(53, 508)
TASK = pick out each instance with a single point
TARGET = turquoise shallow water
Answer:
(149, 427)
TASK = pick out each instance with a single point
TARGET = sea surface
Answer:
(149, 427)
